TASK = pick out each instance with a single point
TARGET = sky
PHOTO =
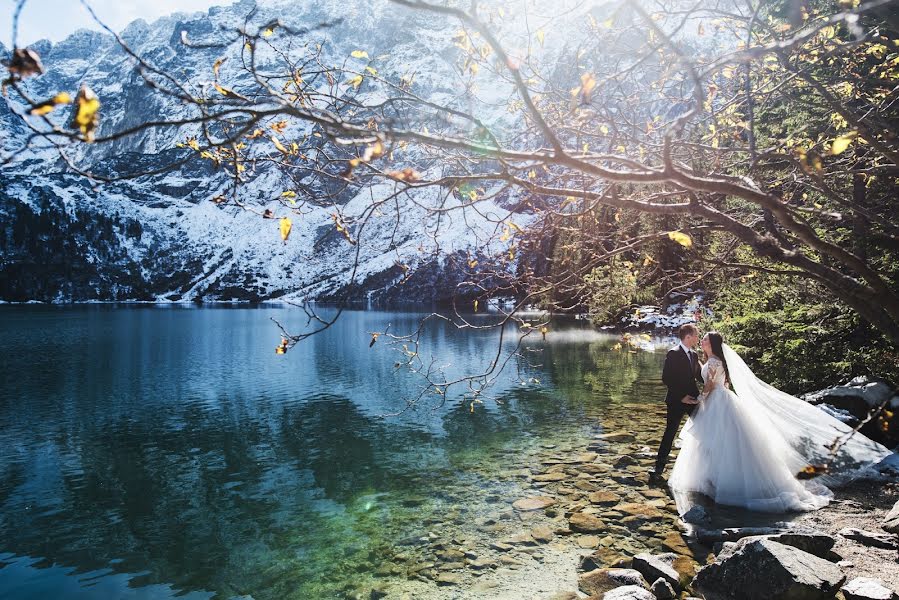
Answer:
(56, 19)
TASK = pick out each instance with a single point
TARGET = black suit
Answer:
(680, 374)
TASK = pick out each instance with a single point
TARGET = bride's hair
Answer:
(716, 340)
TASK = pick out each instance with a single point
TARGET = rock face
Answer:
(864, 588)
(891, 523)
(602, 580)
(161, 237)
(767, 570)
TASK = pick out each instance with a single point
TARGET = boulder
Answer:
(629, 592)
(662, 590)
(767, 570)
(732, 534)
(865, 588)
(891, 523)
(870, 538)
(601, 581)
(654, 566)
(696, 515)
(813, 542)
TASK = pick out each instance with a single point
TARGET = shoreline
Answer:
(602, 512)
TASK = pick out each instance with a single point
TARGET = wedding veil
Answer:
(808, 431)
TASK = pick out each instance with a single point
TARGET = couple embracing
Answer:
(745, 441)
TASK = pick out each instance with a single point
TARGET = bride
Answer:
(744, 447)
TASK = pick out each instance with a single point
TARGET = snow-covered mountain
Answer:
(159, 237)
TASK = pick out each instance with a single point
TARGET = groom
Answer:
(680, 374)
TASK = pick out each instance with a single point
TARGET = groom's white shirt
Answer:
(684, 348)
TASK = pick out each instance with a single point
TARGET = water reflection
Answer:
(148, 451)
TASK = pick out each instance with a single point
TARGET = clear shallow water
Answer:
(152, 451)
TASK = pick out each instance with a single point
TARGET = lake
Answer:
(154, 451)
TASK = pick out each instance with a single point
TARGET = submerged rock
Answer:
(767, 570)
(585, 523)
(533, 503)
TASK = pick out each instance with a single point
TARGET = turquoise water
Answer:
(148, 452)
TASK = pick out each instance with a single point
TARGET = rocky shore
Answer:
(592, 526)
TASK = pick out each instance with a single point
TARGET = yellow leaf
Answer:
(588, 82)
(279, 145)
(681, 238)
(285, 227)
(371, 70)
(842, 142)
(48, 105)
(268, 32)
(87, 112)
(289, 194)
(359, 54)
(355, 81)
(476, 306)
(217, 65)
(541, 35)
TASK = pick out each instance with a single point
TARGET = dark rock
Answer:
(870, 538)
(624, 461)
(713, 536)
(662, 590)
(864, 588)
(814, 542)
(767, 570)
(696, 515)
(602, 580)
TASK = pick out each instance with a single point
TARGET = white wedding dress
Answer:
(745, 448)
